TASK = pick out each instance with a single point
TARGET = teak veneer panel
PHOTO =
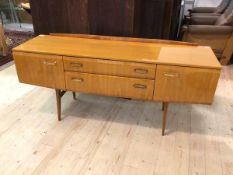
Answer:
(110, 85)
(131, 39)
(184, 84)
(143, 52)
(92, 48)
(39, 69)
(200, 56)
(106, 67)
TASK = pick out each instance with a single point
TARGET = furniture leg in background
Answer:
(227, 53)
(165, 107)
(3, 45)
(74, 96)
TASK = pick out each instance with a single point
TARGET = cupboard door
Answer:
(185, 84)
(39, 69)
(110, 85)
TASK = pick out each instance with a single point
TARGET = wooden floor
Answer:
(105, 135)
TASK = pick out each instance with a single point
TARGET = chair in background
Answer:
(26, 7)
(214, 31)
(209, 11)
(3, 45)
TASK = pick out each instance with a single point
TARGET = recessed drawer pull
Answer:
(79, 80)
(77, 65)
(50, 63)
(141, 71)
(166, 74)
(139, 86)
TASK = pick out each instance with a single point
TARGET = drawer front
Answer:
(184, 84)
(110, 85)
(106, 67)
(39, 69)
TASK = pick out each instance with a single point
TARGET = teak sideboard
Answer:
(142, 69)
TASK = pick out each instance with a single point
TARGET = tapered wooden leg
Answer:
(165, 107)
(74, 96)
(58, 97)
(162, 106)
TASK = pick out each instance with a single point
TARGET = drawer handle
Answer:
(139, 86)
(79, 80)
(50, 63)
(77, 65)
(141, 71)
(166, 74)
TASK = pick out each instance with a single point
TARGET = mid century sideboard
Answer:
(142, 69)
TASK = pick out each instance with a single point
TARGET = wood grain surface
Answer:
(184, 84)
(156, 53)
(106, 67)
(110, 85)
(41, 70)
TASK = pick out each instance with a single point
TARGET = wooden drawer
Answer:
(39, 69)
(110, 85)
(184, 84)
(106, 67)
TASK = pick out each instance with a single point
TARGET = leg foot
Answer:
(165, 107)
(74, 95)
(58, 97)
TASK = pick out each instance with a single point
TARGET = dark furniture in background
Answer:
(134, 18)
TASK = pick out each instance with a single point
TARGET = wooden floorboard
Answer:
(107, 135)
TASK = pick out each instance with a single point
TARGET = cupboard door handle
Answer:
(166, 74)
(141, 71)
(79, 80)
(139, 86)
(50, 63)
(77, 65)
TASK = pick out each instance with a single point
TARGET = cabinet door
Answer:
(39, 69)
(184, 84)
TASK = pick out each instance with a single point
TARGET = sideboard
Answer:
(144, 69)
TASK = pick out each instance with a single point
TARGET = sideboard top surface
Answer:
(155, 53)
